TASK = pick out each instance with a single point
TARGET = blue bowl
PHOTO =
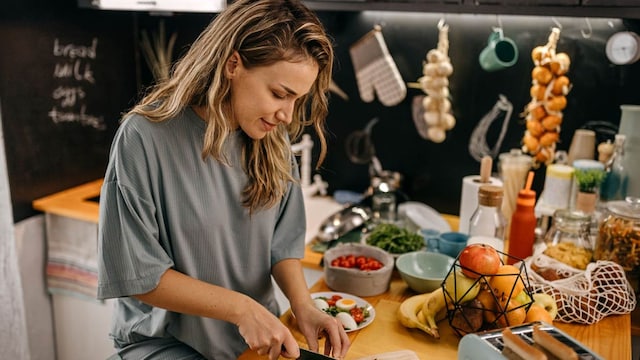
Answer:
(424, 271)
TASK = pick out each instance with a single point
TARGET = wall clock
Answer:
(623, 48)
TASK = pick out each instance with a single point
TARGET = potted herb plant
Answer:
(588, 180)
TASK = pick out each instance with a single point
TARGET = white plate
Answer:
(359, 303)
(423, 216)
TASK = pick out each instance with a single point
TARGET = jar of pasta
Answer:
(619, 237)
(568, 238)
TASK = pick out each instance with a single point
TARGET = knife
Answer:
(310, 355)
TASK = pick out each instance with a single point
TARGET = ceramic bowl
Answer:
(355, 281)
(424, 271)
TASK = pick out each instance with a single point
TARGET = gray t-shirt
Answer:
(162, 206)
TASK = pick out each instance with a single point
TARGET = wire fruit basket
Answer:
(489, 301)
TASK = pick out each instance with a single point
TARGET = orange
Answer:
(538, 313)
(514, 314)
(506, 279)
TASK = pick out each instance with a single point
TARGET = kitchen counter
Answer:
(75, 203)
(610, 337)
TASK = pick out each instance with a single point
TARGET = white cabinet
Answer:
(206, 6)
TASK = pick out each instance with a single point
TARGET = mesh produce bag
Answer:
(582, 296)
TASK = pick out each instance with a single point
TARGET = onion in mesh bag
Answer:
(582, 296)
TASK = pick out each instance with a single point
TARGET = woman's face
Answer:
(264, 97)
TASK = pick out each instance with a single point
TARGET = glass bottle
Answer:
(522, 227)
(614, 186)
(487, 223)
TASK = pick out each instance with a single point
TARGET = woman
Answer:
(201, 202)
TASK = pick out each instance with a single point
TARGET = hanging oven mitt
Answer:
(376, 72)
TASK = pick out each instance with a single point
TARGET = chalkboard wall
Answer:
(66, 74)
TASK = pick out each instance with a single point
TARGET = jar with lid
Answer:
(619, 237)
(572, 229)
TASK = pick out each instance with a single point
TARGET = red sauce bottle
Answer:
(523, 226)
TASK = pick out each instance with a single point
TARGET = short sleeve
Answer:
(289, 234)
(131, 258)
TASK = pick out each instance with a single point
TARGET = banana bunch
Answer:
(423, 311)
(549, 89)
(435, 83)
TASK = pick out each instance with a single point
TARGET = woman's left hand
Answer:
(315, 324)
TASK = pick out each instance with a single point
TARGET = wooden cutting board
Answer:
(385, 334)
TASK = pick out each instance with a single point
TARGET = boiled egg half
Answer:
(321, 304)
(347, 321)
(345, 304)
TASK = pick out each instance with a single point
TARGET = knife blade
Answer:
(310, 355)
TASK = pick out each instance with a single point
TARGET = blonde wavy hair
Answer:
(263, 32)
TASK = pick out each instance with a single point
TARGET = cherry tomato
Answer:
(331, 302)
(360, 262)
(357, 314)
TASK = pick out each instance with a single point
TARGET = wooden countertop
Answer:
(73, 203)
(610, 337)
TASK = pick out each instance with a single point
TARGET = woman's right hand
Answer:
(265, 333)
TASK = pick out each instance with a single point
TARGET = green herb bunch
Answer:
(395, 239)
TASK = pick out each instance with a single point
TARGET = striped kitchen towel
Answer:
(72, 258)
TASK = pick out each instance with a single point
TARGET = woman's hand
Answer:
(266, 334)
(314, 324)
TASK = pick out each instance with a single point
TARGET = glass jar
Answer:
(571, 226)
(383, 199)
(619, 237)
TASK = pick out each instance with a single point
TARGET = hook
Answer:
(587, 34)
(555, 21)
(498, 28)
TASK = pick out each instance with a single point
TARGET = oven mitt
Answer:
(376, 72)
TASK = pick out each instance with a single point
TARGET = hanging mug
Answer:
(500, 52)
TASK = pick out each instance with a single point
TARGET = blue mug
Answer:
(448, 243)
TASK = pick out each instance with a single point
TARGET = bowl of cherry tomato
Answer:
(359, 269)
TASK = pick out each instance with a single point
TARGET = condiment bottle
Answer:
(523, 224)
(487, 223)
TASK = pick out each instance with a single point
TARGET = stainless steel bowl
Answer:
(342, 222)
